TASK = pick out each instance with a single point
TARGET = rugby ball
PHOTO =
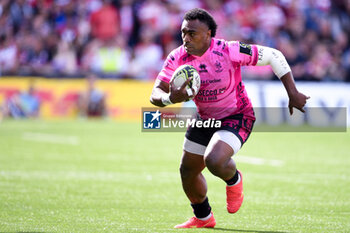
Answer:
(184, 72)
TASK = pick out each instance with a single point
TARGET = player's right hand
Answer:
(179, 94)
(297, 101)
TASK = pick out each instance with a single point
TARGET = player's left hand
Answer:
(180, 94)
(297, 101)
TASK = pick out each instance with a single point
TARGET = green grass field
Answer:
(105, 176)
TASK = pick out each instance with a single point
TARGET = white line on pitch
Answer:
(259, 161)
(50, 138)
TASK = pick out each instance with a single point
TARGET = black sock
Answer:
(201, 210)
(233, 180)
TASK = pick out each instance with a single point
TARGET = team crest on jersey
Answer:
(245, 48)
(218, 67)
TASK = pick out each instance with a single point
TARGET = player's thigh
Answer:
(221, 147)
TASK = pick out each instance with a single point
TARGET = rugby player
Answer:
(222, 96)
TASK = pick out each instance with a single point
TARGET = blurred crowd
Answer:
(131, 38)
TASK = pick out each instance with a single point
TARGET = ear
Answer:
(209, 33)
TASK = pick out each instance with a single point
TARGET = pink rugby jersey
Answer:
(222, 92)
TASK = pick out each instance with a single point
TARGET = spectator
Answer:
(153, 14)
(105, 22)
(34, 57)
(147, 57)
(320, 64)
(110, 58)
(8, 55)
(92, 102)
(65, 60)
(23, 105)
(20, 12)
(127, 20)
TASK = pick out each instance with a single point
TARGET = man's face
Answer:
(195, 36)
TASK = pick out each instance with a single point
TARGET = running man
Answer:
(222, 96)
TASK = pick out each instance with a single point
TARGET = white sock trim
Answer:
(237, 182)
(205, 218)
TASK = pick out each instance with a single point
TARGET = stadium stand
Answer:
(61, 38)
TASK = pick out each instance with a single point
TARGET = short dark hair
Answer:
(203, 16)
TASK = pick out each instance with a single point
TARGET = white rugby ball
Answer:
(184, 72)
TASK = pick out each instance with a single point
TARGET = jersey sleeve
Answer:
(243, 54)
(168, 69)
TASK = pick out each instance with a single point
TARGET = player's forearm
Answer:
(160, 94)
(156, 98)
(288, 82)
(279, 65)
(296, 99)
(160, 98)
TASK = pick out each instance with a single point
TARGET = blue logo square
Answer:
(151, 120)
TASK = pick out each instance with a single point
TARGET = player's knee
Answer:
(213, 164)
(185, 171)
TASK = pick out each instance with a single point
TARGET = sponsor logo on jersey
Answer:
(245, 48)
(218, 53)
(203, 68)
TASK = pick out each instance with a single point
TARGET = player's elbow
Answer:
(268, 55)
(277, 54)
(152, 100)
(274, 58)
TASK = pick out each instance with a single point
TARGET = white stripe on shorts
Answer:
(193, 147)
(222, 135)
